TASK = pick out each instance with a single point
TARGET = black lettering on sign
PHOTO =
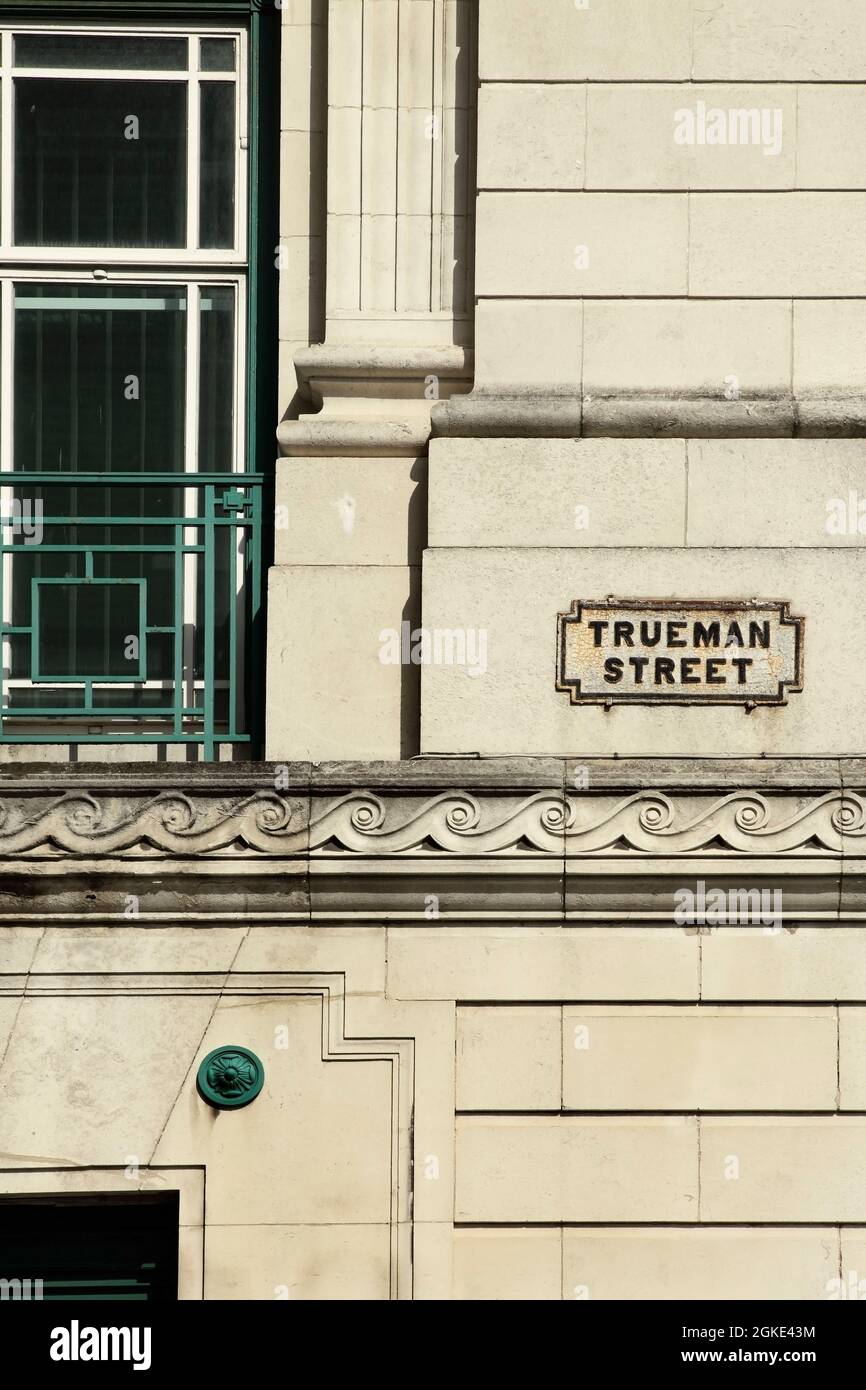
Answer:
(664, 668)
(708, 636)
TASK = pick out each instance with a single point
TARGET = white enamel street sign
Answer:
(679, 651)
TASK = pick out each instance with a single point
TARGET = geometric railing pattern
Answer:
(130, 603)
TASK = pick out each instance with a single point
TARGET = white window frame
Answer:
(193, 285)
(192, 77)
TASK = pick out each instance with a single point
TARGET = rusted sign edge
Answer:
(571, 685)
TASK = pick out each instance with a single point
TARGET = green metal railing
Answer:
(137, 619)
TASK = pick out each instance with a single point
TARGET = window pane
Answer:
(100, 377)
(217, 55)
(100, 384)
(100, 163)
(103, 1247)
(216, 385)
(90, 51)
(217, 192)
(84, 630)
(225, 596)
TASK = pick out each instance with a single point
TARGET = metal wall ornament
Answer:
(230, 1077)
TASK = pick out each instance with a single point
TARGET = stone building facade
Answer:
(450, 960)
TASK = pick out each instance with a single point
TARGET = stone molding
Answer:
(459, 805)
(339, 1044)
(398, 427)
(374, 370)
(512, 412)
(361, 822)
(78, 823)
(372, 401)
(493, 840)
(647, 821)
(454, 822)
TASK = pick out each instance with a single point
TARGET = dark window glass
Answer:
(225, 597)
(103, 1248)
(216, 449)
(217, 190)
(216, 384)
(100, 377)
(100, 384)
(84, 630)
(93, 51)
(100, 163)
(217, 55)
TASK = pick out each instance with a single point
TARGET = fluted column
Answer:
(400, 162)
(351, 491)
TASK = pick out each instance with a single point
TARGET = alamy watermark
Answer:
(715, 907)
(852, 1288)
(24, 518)
(21, 1290)
(77, 1343)
(438, 646)
(715, 125)
(846, 516)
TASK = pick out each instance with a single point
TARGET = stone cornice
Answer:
(372, 370)
(371, 401)
(513, 412)
(440, 771)
(520, 840)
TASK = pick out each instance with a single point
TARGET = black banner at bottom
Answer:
(225, 1340)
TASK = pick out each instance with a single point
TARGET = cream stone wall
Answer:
(389, 333)
(666, 396)
(508, 703)
(531, 348)
(661, 319)
(626, 286)
(603, 364)
(576, 148)
(497, 1064)
(301, 1199)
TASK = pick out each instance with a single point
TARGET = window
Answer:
(124, 141)
(131, 526)
(103, 1248)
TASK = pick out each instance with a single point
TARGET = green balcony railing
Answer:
(131, 607)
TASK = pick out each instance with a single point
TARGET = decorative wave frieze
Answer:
(451, 823)
(80, 823)
(648, 821)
